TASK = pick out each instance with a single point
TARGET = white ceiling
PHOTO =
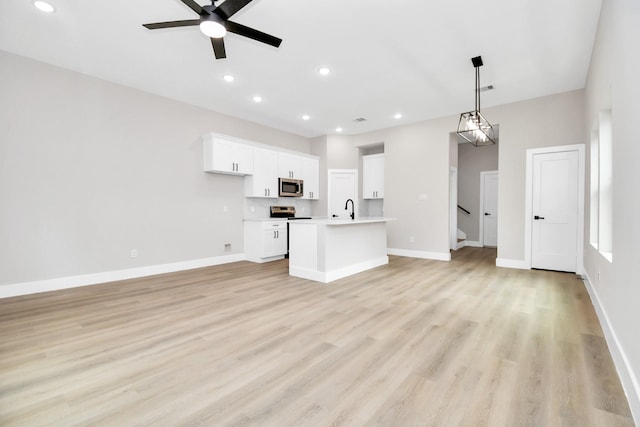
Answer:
(407, 56)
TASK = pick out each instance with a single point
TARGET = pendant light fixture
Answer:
(473, 127)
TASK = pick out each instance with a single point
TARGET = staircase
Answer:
(462, 238)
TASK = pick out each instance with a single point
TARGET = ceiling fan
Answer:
(214, 23)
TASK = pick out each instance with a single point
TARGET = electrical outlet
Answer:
(134, 253)
(252, 208)
(227, 247)
(225, 208)
(412, 239)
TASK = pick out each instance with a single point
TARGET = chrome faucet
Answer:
(346, 206)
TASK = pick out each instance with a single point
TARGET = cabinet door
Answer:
(229, 157)
(243, 155)
(274, 239)
(264, 181)
(373, 176)
(289, 166)
(280, 243)
(310, 175)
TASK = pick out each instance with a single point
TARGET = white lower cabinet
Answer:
(265, 240)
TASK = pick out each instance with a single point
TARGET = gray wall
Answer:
(613, 84)
(542, 122)
(417, 158)
(416, 183)
(471, 161)
(90, 170)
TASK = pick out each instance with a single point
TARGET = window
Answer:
(594, 187)
(605, 195)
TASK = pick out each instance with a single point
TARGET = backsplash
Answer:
(259, 208)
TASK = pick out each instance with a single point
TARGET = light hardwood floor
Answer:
(413, 343)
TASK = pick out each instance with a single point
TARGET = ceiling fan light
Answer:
(213, 27)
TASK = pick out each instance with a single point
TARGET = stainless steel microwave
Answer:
(288, 187)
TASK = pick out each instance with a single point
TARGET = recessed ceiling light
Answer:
(43, 6)
(324, 71)
(397, 116)
(338, 129)
(257, 98)
(228, 78)
(306, 117)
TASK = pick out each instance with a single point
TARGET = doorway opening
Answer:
(473, 162)
(343, 185)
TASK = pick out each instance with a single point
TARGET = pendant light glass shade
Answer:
(473, 127)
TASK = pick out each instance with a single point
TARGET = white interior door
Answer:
(489, 208)
(554, 222)
(343, 185)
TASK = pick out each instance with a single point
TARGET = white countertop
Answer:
(340, 221)
(265, 219)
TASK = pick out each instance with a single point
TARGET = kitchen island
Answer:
(325, 250)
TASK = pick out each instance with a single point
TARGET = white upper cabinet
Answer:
(311, 177)
(226, 156)
(373, 176)
(260, 164)
(264, 181)
(289, 166)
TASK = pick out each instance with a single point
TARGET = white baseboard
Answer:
(472, 243)
(47, 285)
(627, 376)
(263, 260)
(438, 256)
(520, 264)
(330, 276)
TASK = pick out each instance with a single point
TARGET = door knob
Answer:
(486, 214)
(538, 217)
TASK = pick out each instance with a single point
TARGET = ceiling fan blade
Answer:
(195, 7)
(229, 8)
(218, 48)
(171, 24)
(242, 30)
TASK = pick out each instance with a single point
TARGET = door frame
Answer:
(481, 211)
(453, 208)
(330, 173)
(528, 209)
